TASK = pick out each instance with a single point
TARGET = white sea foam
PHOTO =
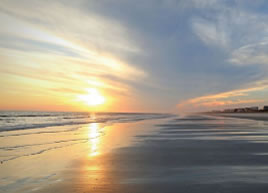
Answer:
(10, 121)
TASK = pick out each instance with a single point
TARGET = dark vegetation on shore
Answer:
(242, 110)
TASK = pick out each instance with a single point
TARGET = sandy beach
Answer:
(127, 96)
(177, 154)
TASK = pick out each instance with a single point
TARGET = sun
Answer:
(92, 98)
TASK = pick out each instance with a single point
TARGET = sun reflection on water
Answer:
(94, 138)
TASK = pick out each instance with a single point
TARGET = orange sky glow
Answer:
(116, 63)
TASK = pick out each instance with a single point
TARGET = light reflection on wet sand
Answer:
(37, 158)
(98, 171)
(197, 154)
(94, 138)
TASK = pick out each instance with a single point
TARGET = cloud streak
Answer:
(223, 100)
(153, 56)
(210, 33)
(47, 46)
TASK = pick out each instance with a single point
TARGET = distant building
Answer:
(254, 108)
(240, 110)
(228, 110)
(251, 109)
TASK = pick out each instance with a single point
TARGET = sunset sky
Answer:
(125, 55)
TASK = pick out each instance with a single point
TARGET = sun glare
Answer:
(93, 98)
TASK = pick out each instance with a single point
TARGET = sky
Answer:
(135, 56)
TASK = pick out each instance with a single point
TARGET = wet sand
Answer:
(193, 154)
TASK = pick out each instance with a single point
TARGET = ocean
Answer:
(25, 124)
(11, 121)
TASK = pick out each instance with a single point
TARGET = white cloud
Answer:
(89, 30)
(251, 54)
(243, 34)
(53, 28)
(210, 33)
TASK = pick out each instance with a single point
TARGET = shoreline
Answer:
(196, 153)
(257, 116)
(192, 154)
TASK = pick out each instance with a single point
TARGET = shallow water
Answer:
(35, 147)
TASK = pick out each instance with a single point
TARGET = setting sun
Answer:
(92, 98)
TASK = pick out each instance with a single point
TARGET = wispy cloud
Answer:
(47, 46)
(223, 100)
(242, 32)
(145, 53)
(251, 54)
(210, 33)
